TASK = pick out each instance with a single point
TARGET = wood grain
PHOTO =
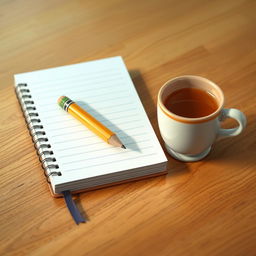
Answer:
(202, 208)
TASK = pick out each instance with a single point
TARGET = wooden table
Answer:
(202, 208)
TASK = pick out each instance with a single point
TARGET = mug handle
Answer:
(238, 116)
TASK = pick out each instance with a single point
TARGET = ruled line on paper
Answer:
(102, 120)
(91, 135)
(62, 117)
(87, 94)
(75, 147)
(100, 110)
(73, 77)
(125, 138)
(51, 107)
(90, 97)
(95, 145)
(84, 82)
(101, 156)
(102, 149)
(80, 125)
(90, 89)
(121, 137)
(83, 131)
(107, 163)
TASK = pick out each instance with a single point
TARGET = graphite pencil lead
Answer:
(123, 146)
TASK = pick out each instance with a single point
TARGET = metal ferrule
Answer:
(67, 104)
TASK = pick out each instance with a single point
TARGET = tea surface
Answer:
(191, 103)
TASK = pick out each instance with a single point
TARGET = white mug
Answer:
(190, 139)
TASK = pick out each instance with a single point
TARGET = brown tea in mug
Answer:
(191, 103)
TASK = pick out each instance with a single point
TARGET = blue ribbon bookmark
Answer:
(72, 207)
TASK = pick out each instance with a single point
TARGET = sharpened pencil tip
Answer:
(123, 146)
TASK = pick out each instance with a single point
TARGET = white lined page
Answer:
(104, 89)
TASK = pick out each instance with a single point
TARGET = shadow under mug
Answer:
(190, 139)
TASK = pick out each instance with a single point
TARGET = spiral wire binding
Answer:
(37, 132)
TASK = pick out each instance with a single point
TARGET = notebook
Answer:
(74, 158)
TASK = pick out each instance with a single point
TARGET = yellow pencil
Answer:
(89, 121)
